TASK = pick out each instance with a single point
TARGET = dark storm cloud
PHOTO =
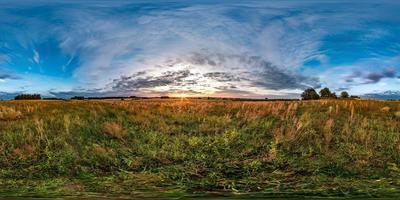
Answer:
(142, 80)
(371, 77)
(272, 77)
(350, 78)
(222, 76)
(389, 73)
(231, 71)
(261, 73)
(342, 89)
(4, 76)
(226, 87)
(375, 77)
(278, 80)
(7, 75)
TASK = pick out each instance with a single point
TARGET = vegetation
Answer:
(310, 94)
(324, 147)
(28, 97)
(344, 95)
(327, 94)
(78, 98)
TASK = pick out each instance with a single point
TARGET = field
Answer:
(173, 147)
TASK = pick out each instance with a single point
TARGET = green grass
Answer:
(324, 148)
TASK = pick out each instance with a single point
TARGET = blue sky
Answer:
(254, 49)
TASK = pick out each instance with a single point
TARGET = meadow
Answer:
(181, 146)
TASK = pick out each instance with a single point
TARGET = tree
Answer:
(309, 94)
(78, 98)
(325, 93)
(344, 95)
(28, 97)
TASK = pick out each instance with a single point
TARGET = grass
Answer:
(325, 147)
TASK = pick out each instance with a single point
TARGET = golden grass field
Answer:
(324, 147)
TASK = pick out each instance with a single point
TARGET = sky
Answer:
(248, 49)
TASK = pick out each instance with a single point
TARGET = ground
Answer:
(188, 146)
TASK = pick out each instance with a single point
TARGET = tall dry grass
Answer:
(9, 113)
(206, 144)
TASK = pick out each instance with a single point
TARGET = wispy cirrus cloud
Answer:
(259, 47)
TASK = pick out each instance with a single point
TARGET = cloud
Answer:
(8, 95)
(373, 77)
(7, 75)
(138, 81)
(206, 72)
(370, 77)
(255, 47)
(36, 56)
(389, 72)
(386, 95)
(222, 76)
(117, 44)
(271, 77)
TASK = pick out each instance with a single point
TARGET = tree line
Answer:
(28, 97)
(308, 94)
(325, 93)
